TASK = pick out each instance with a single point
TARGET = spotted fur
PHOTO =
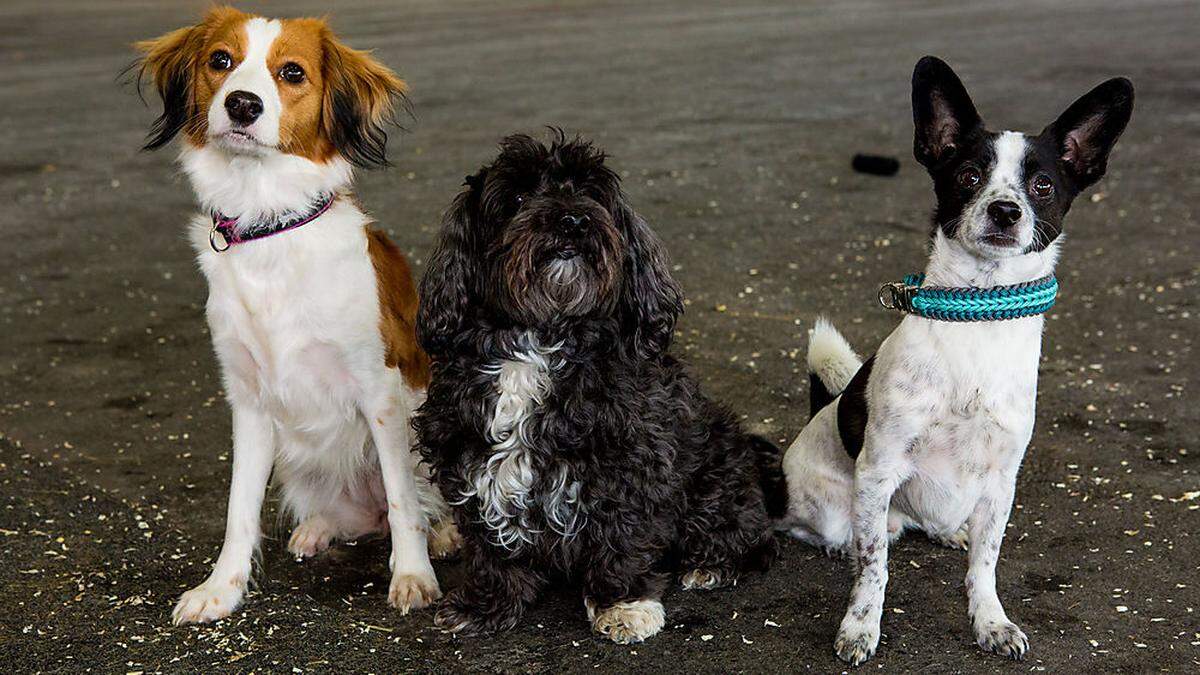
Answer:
(946, 410)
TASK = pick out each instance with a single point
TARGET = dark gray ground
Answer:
(733, 124)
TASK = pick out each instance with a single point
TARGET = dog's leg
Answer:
(993, 631)
(414, 584)
(253, 456)
(876, 478)
(493, 597)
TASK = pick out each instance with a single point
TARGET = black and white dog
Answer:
(940, 417)
(573, 445)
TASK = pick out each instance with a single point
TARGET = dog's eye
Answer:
(520, 200)
(292, 72)
(968, 178)
(1041, 186)
(220, 60)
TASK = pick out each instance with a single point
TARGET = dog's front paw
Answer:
(444, 539)
(630, 622)
(413, 591)
(1002, 637)
(856, 642)
(310, 538)
(700, 580)
(210, 601)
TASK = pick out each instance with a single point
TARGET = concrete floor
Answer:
(733, 125)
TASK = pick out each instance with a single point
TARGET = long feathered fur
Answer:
(619, 472)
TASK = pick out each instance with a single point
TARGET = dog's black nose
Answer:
(243, 107)
(1004, 214)
(573, 223)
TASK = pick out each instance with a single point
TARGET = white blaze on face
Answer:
(1006, 182)
(252, 75)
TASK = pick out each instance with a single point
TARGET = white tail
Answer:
(831, 357)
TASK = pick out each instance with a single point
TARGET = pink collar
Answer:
(230, 234)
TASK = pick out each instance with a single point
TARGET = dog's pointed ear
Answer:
(1087, 131)
(651, 301)
(169, 62)
(361, 95)
(943, 113)
(448, 283)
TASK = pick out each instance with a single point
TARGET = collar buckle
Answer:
(897, 295)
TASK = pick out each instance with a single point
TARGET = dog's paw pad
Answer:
(310, 538)
(413, 591)
(630, 622)
(210, 601)
(1003, 638)
(700, 580)
(855, 646)
(444, 540)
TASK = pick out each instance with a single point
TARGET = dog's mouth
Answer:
(239, 139)
(1000, 240)
(566, 252)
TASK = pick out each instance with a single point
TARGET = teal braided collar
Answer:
(970, 304)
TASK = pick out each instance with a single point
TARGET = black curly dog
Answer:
(574, 447)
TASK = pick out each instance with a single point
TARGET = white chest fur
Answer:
(505, 483)
(295, 325)
(971, 388)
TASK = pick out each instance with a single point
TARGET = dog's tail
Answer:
(769, 458)
(831, 364)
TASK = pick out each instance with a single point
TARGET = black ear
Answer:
(943, 113)
(651, 301)
(447, 284)
(360, 102)
(168, 62)
(1088, 130)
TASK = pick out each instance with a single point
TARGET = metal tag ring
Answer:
(212, 240)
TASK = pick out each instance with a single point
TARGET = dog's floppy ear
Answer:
(651, 301)
(448, 282)
(360, 101)
(1086, 132)
(169, 62)
(942, 111)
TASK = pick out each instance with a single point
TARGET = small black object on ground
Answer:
(876, 165)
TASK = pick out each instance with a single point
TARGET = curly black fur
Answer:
(667, 482)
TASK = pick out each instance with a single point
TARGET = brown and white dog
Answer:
(313, 328)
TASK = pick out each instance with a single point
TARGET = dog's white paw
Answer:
(856, 642)
(413, 591)
(700, 580)
(444, 539)
(310, 537)
(210, 601)
(630, 622)
(1002, 637)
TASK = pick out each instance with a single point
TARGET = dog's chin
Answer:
(564, 287)
(991, 244)
(240, 142)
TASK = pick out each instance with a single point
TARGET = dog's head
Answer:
(1005, 194)
(256, 86)
(543, 238)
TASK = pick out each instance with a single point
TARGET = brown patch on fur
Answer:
(398, 310)
(301, 132)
